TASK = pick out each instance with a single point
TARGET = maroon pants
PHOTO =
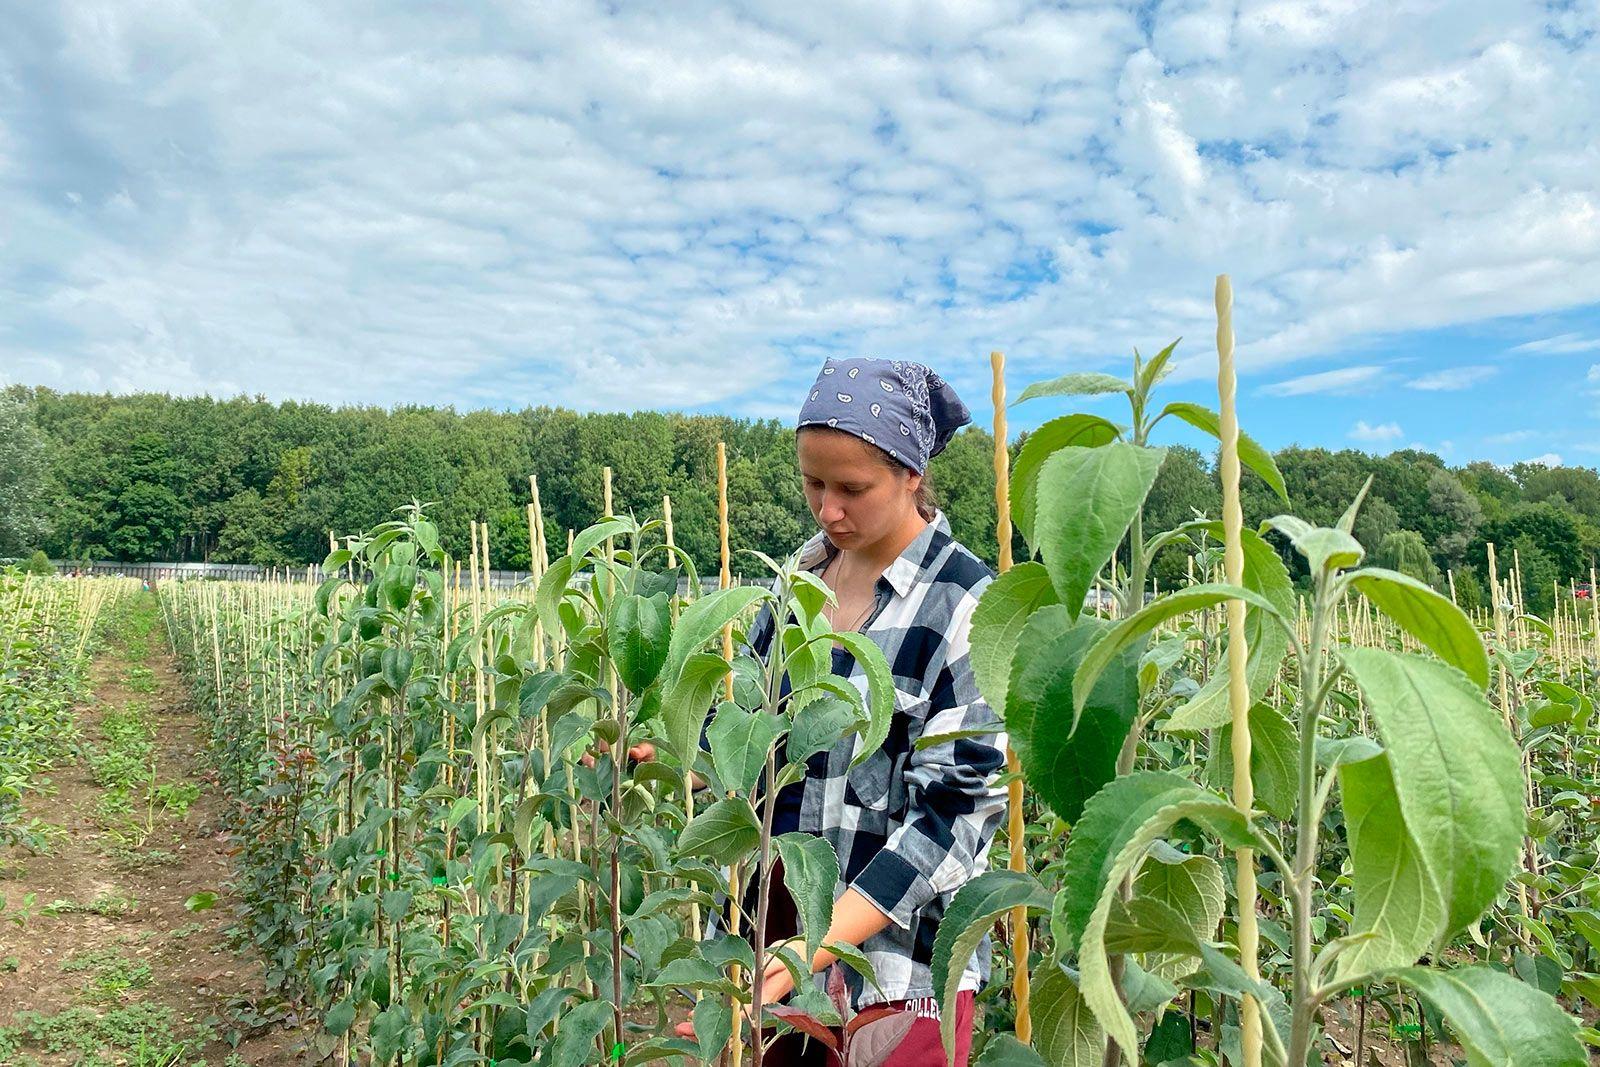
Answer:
(921, 1046)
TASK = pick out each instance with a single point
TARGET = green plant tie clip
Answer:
(616, 1051)
(439, 879)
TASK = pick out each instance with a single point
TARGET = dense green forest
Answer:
(151, 476)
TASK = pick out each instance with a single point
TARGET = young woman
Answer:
(910, 826)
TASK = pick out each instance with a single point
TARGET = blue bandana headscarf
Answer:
(904, 408)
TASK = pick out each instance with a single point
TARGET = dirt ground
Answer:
(107, 964)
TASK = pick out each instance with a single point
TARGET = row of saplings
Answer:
(448, 860)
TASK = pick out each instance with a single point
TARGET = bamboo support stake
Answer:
(1015, 824)
(1238, 681)
(724, 580)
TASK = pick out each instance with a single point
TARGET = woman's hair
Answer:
(926, 500)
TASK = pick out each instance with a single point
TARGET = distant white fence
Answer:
(249, 572)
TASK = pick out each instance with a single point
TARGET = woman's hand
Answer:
(643, 752)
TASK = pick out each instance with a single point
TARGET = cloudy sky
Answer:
(686, 206)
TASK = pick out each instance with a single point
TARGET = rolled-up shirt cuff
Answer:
(895, 887)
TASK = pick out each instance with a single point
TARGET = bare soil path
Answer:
(113, 943)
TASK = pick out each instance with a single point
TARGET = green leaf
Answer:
(1274, 760)
(391, 1033)
(1396, 897)
(1003, 610)
(1066, 765)
(1003, 1050)
(972, 911)
(1497, 1019)
(1163, 609)
(1429, 617)
(818, 726)
(203, 901)
(1064, 1029)
(1081, 431)
(1265, 640)
(1083, 383)
(552, 588)
(1118, 828)
(1324, 548)
(1155, 370)
(740, 742)
(637, 631)
(724, 832)
(574, 1043)
(340, 1018)
(1087, 498)
(713, 1025)
(396, 902)
(687, 702)
(1192, 887)
(810, 873)
(591, 537)
(1147, 925)
(880, 691)
(703, 621)
(1457, 772)
(1251, 454)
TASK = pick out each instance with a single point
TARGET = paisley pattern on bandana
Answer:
(912, 415)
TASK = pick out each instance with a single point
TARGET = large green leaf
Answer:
(1265, 640)
(574, 1043)
(1081, 383)
(1110, 820)
(1113, 844)
(1002, 612)
(590, 538)
(1428, 616)
(637, 631)
(810, 874)
(688, 700)
(1274, 760)
(1082, 431)
(724, 832)
(880, 691)
(1499, 1020)
(972, 911)
(704, 619)
(1064, 1029)
(740, 742)
(552, 588)
(1251, 454)
(1192, 887)
(1067, 766)
(1087, 498)
(1164, 609)
(713, 1025)
(1456, 770)
(1397, 900)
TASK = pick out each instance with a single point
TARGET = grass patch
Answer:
(107, 904)
(136, 1035)
(112, 973)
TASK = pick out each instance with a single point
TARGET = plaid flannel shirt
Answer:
(910, 827)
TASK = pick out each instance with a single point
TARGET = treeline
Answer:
(151, 476)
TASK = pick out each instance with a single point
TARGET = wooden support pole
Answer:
(1238, 678)
(1016, 825)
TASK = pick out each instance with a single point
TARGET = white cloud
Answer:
(1452, 379)
(610, 206)
(1341, 380)
(1562, 344)
(1510, 437)
(1387, 433)
(1549, 459)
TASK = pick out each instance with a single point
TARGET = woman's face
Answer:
(855, 497)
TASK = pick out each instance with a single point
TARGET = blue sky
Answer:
(617, 206)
